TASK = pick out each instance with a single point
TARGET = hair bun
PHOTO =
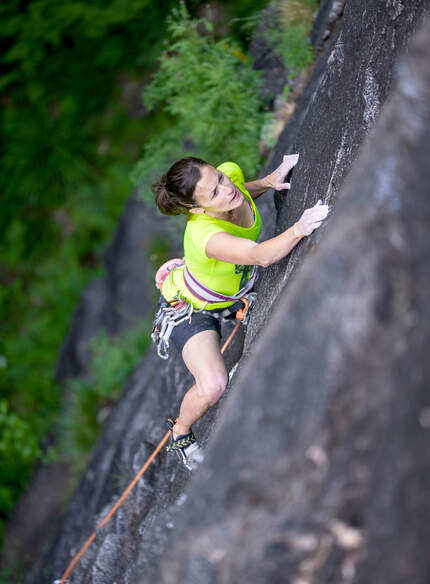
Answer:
(173, 194)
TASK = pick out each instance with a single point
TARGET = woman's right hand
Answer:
(310, 220)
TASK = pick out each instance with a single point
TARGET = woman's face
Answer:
(215, 193)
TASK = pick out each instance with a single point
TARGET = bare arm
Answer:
(238, 250)
(257, 187)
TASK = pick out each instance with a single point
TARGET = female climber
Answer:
(220, 252)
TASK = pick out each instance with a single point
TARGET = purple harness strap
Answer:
(205, 294)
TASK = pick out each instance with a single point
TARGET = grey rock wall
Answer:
(317, 463)
(327, 20)
(343, 98)
(329, 476)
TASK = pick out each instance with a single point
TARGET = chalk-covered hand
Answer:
(310, 220)
(276, 178)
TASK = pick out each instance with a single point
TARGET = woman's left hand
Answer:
(275, 179)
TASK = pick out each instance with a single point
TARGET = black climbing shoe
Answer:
(185, 446)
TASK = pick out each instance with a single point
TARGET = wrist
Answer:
(268, 182)
(298, 235)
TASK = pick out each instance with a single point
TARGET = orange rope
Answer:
(240, 315)
(228, 341)
(114, 508)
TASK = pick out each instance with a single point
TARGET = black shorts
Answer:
(200, 321)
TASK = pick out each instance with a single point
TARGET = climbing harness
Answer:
(204, 293)
(241, 316)
(173, 312)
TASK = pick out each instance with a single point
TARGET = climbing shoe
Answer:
(185, 447)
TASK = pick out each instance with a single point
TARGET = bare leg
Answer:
(202, 356)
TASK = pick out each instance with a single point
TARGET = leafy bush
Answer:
(68, 147)
(293, 46)
(269, 136)
(18, 450)
(211, 96)
(58, 67)
(35, 309)
(290, 39)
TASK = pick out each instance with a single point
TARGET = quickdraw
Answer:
(172, 313)
(167, 317)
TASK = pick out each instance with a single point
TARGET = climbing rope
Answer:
(240, 316)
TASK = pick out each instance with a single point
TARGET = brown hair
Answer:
(174, 193)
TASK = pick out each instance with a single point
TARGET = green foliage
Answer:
(44, 159)
(6, 576)
(290, 39)
(286, 92)
(209, 90)
(293, 46)
(58, 67)
(243, 16)
(18, 449)
(68, 147)
(48, 43)
(89, 400)
(268, 132)
(35, 310)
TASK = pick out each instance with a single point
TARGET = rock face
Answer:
(329, 475)
(326, 22)
(318, 467)
(343, 98)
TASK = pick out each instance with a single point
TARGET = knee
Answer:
(213, 386)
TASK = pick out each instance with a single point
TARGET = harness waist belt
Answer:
(205, 294)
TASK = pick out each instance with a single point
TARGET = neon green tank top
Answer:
(222, 277)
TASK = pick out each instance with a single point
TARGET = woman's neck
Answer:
(232, 215)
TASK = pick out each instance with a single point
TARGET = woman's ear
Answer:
(197, 210)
